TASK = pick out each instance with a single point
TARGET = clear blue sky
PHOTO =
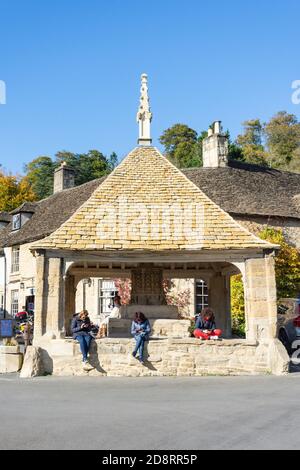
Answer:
(72, 69)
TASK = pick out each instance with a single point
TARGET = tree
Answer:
(287, 272)
(40, 174)
(87, 166)
(237, 305)
(250, 143)
(283, 141)
(182, 146)
(14, 191)
(287, 264)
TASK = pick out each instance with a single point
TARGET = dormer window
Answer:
(16, 222)
(22, 214)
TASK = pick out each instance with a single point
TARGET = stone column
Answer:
(70, 301)
(39, 312)
(260, 298)
(219, 301)
(55, 299)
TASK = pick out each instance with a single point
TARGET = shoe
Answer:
(87, 366)
(134, 355)
(214, 337)
(141, 361)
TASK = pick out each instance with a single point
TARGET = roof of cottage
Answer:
(239, 188)
(146, 203)
(242, 188)
(5, 216)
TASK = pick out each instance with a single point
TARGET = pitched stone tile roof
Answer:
(5, 217)
(247, 189)
(49, 214)
(141, 205)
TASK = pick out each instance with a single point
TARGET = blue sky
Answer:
(72, 69)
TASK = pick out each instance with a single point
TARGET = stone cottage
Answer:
(149, 221)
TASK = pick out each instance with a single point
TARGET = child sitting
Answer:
(205, 327)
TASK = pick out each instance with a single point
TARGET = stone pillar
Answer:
(219, 301)
(55, 299)
(147, 286)
(40, 299)
(70, 301)
(260, 298)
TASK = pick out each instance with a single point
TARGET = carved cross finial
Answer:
(144, 115)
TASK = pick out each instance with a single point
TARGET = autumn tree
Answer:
(14, 191)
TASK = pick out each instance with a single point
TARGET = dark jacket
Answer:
(76, 327)
(201, 324)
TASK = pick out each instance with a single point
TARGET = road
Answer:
(150, 413)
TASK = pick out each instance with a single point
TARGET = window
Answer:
(1, 302)
(14, 306)
(15, 259)
(16, 222)
(107, 290)
(201, 300)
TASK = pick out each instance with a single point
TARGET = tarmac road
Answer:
(150, 413)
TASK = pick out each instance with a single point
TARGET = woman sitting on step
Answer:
(81, 327)
(205, 327)
(140, 329)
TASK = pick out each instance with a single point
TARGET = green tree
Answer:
(40, 173)
(14, 191)
(283, 141)
(87, 166)
(287, 264)
(287, 272)
(182, 146)
(250, 143)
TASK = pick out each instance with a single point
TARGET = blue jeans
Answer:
(140, 344)
(85, 343)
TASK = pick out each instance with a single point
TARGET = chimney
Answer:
(64, 178)
(215, 147)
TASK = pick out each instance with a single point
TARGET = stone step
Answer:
(159, 328)
(150, 311)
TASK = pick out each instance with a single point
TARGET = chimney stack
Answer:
(215, 147)
(64, 178)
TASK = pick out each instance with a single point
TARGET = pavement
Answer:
(150, 413)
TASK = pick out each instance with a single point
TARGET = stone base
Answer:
(165, 357)
(150, 311)
(120, 328)
(10, 359)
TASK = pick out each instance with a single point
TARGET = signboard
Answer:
(6, 328)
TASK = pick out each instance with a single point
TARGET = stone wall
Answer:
(290, 227)
(166, 357)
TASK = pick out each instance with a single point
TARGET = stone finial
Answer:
(144, 115)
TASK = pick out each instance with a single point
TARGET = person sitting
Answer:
(81, 327)
(140, 329)
(205, 327)
(114, 313)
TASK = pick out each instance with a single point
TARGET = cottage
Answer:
(149, 221)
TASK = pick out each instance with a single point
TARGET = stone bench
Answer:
(165, 328)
